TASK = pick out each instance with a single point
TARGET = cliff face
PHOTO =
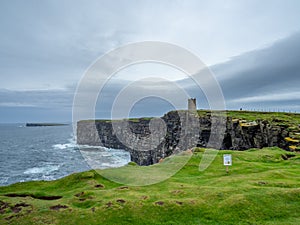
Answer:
(239, 135)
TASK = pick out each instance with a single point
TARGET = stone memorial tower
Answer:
(192, 105)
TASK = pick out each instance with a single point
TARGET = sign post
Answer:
(227, 161)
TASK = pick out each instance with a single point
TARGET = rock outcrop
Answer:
(144, 140)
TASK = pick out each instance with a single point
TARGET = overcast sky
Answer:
(252, 47)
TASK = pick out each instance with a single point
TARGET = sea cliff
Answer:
(239, 134)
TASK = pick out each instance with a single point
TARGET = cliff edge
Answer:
(243, 130)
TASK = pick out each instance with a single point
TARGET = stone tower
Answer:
(192, 105)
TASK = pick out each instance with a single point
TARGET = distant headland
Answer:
(45, 124)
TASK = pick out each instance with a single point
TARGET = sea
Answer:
(49, 153)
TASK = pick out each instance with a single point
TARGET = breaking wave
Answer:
(42, 170)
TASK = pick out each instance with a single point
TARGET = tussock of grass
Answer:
(262, 187)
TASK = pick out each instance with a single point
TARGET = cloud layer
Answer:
(265, 79)
(45, 48)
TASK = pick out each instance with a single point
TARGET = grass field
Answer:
(262, 187)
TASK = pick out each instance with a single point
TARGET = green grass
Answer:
(261, 188)
(280, 118)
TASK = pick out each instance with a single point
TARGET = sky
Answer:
(252, 48)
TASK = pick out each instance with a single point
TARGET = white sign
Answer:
(227, 160)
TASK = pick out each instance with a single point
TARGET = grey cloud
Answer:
(49, 45)
(153, 104)
(36, 98)
(36, 105)
(266, 79)
(268, 76)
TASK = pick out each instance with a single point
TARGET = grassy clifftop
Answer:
(262, 187)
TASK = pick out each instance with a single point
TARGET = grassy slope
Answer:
(261, 188)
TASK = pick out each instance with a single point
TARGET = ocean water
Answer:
(48, 153)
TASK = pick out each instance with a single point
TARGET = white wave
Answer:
(44, 177)
(106, 164)
(106, 159)
(70, 144)
(42, 170)
(64, 146)
(73, 144)
(91, 146)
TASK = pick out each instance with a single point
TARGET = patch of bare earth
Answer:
(58, 207)
(122, 201)
(123, 188)
(159, 203)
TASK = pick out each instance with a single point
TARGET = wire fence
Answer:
(269, 110)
